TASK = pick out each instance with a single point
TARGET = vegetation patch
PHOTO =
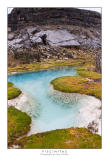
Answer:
(82, 59)
(89, 74)
(12, 91)
(18, 124)
(62, 138)
(10, 84)
(86, 67)
(73, 84)
(44, 65)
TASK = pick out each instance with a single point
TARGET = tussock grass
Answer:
(62, 138)
(90, 74)
(18, 124)
(12, 91)
(10, 84)
(73, 84)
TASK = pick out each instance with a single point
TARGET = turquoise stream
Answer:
(48, 114)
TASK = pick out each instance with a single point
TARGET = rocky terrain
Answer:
(37, 34)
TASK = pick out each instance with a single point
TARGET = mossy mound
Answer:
(89, 74)
(18, 124)
(62, 138)
(73, 84)
(12, 91)
(10, 84)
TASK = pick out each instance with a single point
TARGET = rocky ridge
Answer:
(21, 17)
(45, 33)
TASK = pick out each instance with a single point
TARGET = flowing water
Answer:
(49, 110)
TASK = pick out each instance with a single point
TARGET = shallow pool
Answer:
(48, 111)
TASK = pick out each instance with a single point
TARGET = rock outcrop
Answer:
(20, 17)
(62, 26)
(51, 28)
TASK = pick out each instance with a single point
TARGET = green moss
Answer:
(89, 74)
(10, 84)
(72, 84)
(88, 66)
(18, 124)
(62, 138)
(80, 69)
(45, 65)
(12, 91)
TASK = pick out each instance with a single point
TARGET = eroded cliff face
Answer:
(44, 32)
(20, 17)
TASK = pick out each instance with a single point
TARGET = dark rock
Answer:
(92, 126)
(51, 32)
(44, 39)
(21, 17)
(69, 55)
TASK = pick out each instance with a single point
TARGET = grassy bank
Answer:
(72, 84)
(62, 138)
(82, 59)
(12, 91)
(43, 65)
(90, 74)
(18, 124)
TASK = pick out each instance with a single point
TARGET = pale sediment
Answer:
(12, 73)
(89, 112)
(25, 103)
(33, 129)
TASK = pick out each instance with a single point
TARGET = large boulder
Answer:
(11, 36)
(57, 38)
